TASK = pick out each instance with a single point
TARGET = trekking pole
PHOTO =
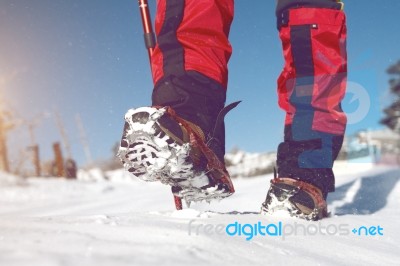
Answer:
(150, 43)
(149, 38)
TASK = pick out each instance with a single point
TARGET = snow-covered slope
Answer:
(244, 164)
(67, 222)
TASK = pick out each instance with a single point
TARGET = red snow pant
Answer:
(311, 87)
(192, 37)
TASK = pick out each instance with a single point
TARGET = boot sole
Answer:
(150, 153)
(280, 197)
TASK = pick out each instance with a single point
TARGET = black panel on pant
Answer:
(171, 48)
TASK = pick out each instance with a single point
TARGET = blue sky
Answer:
(87, 57)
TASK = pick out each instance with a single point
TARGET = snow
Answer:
(244, 164)
(95, 221)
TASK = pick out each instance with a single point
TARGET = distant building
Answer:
(379, 146)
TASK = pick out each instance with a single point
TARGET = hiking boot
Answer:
(298, 198)
(179, 141)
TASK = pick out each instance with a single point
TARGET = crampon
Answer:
(151, 152)
(297, 198)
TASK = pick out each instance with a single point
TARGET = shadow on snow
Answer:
(371, 196)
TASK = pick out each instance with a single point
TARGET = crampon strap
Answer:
(316, 195)
(222, 114)
(214, 165)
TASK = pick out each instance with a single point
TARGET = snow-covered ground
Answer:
(121, 222)
(243, 164)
